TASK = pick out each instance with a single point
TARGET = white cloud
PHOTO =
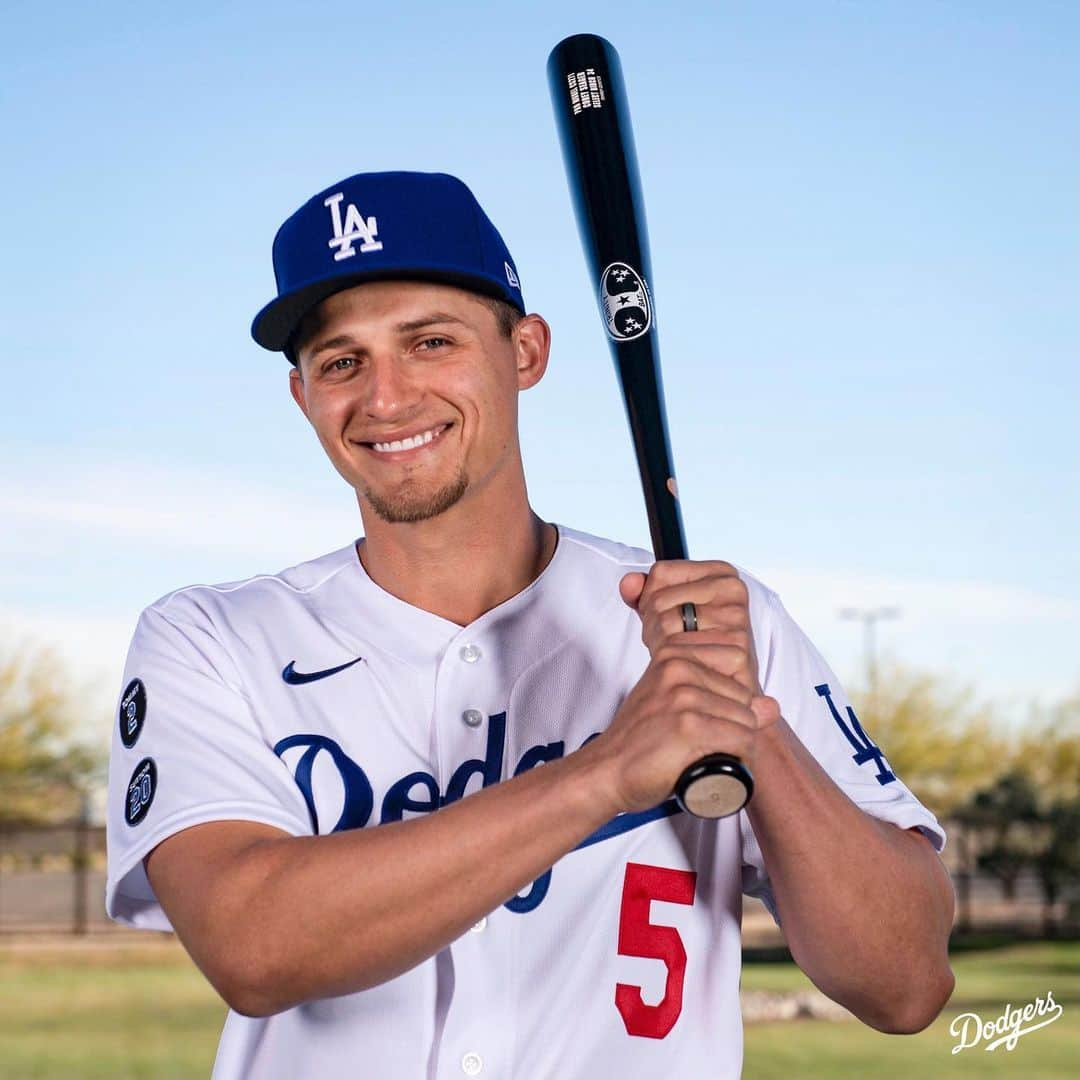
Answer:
(47, 503)
(1011, 644)
(956, 601)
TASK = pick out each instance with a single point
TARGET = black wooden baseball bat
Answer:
(593, 119)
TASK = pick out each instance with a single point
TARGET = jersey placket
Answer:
(470, 715)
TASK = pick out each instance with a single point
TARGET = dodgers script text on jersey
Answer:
(314, 701)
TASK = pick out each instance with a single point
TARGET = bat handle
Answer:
(717, 785)
(714, 787)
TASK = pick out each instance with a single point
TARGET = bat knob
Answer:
(714, 787)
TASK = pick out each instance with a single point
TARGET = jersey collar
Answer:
(423, 638)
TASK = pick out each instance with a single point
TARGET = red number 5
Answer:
(639, 937)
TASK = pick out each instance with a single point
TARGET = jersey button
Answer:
(472, 1064)
(470, 653)
(473, 717)
(478, 927)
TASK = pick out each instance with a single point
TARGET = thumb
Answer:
(630, 588)
(766, 710)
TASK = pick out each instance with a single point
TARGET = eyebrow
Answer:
(332, 343)
(427, 320)
(342, 340)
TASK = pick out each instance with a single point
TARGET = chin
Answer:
(406, 507)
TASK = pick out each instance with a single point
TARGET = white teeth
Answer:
(408, 444)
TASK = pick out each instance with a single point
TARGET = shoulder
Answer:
(299, 585)
(603, 555)
(598, 552)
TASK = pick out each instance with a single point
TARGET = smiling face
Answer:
(412, 390)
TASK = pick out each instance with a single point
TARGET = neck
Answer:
(462, 563)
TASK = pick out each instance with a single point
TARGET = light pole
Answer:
(869, 617)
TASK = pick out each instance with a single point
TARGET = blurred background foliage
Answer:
(47, 773)
(1009, 794)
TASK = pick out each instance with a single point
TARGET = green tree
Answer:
(1048, 751)
(1008, 811)
(1057, 864)
(942, 742)
(45, 771)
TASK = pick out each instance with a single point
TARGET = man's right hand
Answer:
(679, 710)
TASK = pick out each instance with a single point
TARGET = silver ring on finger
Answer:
(689, 617)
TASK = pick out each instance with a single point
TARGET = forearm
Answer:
(377, 901)
(866, 907)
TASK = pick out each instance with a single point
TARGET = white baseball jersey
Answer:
(313, 701)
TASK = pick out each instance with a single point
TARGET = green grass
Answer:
(131, 1012)
(141, 1011)
(986, 981)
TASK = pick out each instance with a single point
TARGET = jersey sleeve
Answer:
(187, 749)
(815, 706)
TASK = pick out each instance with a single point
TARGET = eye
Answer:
(340, 363)
(433, 343)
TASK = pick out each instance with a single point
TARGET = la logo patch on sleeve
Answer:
(866, 750)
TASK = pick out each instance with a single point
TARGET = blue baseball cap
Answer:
(379, 226)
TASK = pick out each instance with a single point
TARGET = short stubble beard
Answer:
(406, 507)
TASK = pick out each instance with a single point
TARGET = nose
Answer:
(389, 389)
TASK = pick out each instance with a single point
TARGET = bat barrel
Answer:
(593, 119)
(593, 116)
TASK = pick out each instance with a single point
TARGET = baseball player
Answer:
(408, 805)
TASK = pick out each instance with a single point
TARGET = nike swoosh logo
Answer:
(298, 678)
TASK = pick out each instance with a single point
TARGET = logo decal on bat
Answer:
(586, 90)
(624, 302)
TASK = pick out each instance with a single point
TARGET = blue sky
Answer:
(865, 256)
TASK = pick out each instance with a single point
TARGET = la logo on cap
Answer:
(356, 227)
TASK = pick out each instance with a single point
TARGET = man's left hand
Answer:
(724, 638)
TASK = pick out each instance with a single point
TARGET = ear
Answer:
(532, 340)
(296, 387)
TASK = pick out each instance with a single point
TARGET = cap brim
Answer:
(277, 322)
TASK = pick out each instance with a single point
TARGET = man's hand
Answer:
(722, 602)
(700, 693)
